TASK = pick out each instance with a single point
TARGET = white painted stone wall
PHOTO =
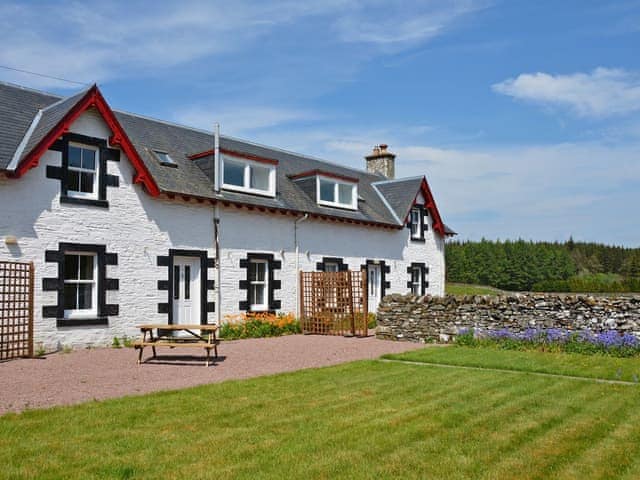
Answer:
(135, 226)
(243, 231)
(139, 228)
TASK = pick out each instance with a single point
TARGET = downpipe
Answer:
(297, 249)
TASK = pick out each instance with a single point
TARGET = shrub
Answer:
(596, 283)
(115, 343)
(258, 325)
(466, 338)
(612, 342)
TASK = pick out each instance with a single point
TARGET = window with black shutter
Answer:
(260, 283)
(418, 223)
(83, 173)
(418, 282)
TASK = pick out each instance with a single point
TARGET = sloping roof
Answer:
(148, 135)
(400, 193)
(449, 231)
(19, 107)
(371, 207)
(49, 118)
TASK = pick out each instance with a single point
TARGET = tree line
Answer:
(544, 266)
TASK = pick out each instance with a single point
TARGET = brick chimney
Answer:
(382, 162)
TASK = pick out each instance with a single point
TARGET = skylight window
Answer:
(337, 193)
(165, 159)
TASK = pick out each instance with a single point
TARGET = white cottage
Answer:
(130, 219)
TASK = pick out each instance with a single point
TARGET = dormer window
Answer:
(336, 193)
(248, 176)
(165, 159)
(83, 171)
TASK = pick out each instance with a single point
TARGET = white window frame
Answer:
(96, 172)
(416, 287)
(419, 225)
(331, 267)
(93, 311)
(247, 165)
(256, 307)
(336, 203)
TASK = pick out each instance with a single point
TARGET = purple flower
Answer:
(555, 335)
(502, 334)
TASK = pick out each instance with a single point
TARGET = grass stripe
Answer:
(509, 370)
(570, 364)
(367, 419)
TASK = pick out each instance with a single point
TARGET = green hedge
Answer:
(590, 283)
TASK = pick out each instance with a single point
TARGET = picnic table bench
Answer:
(206, 339)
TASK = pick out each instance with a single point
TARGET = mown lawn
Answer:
(591, 366)
(466, 289)
(361, 420)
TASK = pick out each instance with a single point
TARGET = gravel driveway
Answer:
(82, 375)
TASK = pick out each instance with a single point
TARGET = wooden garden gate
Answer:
(334, 303)
(16, 310)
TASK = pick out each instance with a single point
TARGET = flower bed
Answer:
(612, 342)
(258, 325)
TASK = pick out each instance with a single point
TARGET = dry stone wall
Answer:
(429, 319)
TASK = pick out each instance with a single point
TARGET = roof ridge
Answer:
(207, 132)
(29, 89)
(302, 155)
(64, 99)
(165, 122)
(243, 140)
(403, 179)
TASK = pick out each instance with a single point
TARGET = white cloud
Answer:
(376, 23)
(241, 120)
(535, 191)
(602, 92)
(545, 192)
(100, 41)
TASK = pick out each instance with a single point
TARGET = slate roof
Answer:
(289, 193)
(400, 193)
(19, 106)
(50, 116)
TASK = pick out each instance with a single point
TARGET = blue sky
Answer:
(525, 116)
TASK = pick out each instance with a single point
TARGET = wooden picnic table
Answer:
(205, 339)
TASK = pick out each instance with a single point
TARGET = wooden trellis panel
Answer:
(334, 303)
(16, 310)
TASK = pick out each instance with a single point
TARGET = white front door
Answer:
(186, 290)
(374, 282)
